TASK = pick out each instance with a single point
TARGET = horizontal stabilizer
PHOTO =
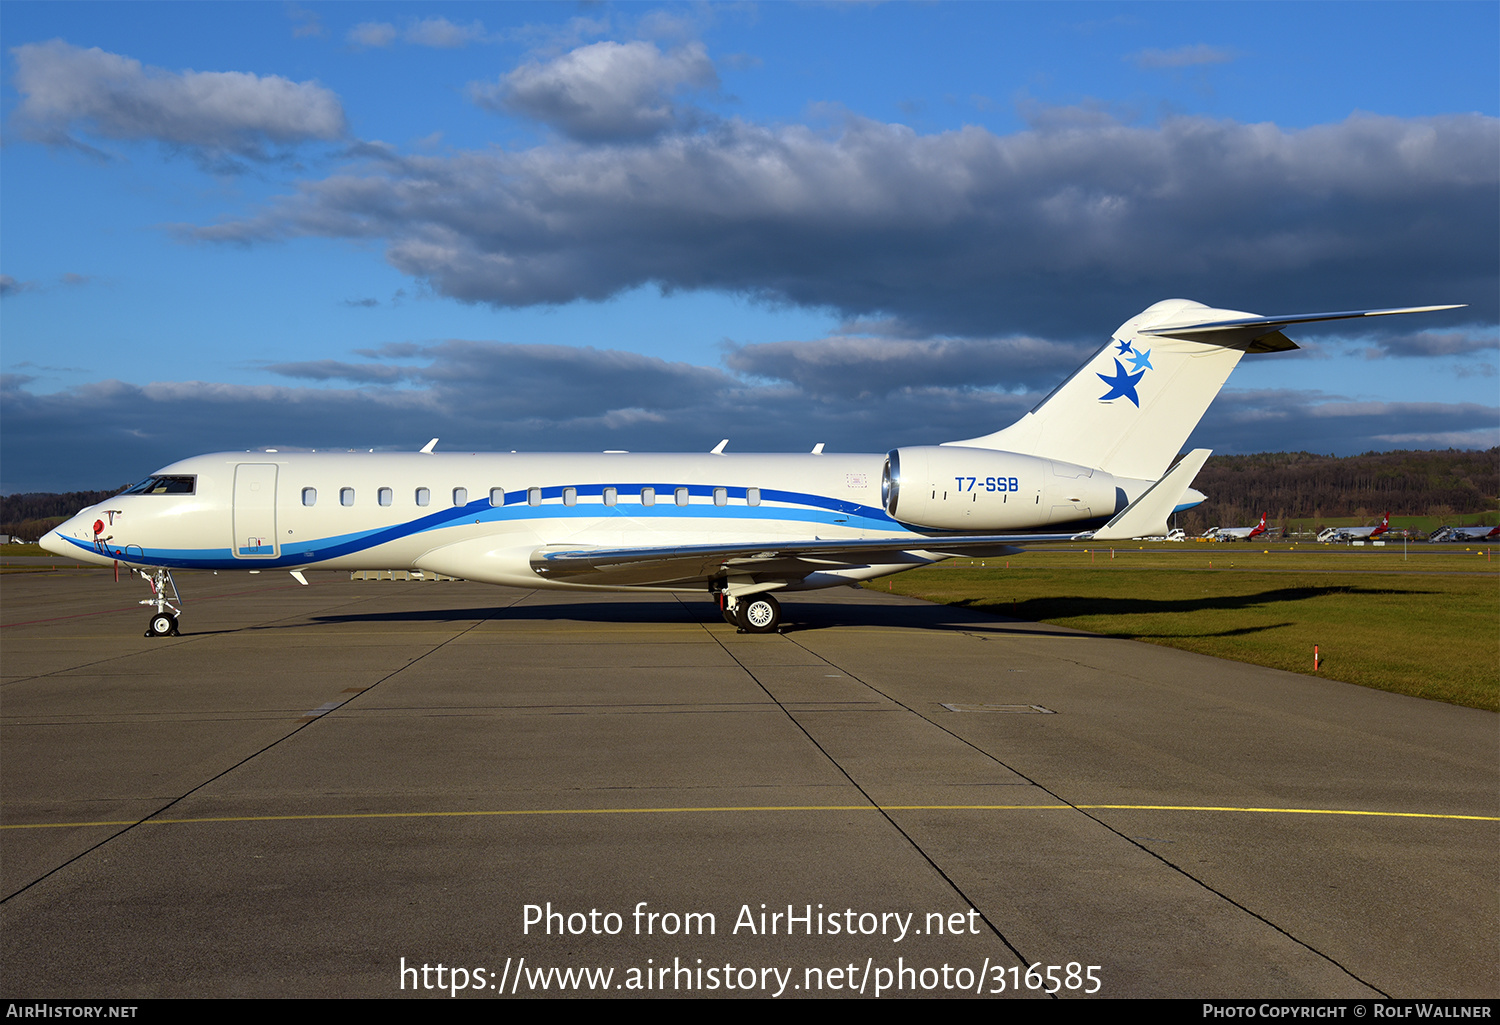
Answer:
(1263, 334)
(1147, 515)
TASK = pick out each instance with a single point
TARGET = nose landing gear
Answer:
(164, 619)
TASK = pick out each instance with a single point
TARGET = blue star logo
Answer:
(1121, 385)
(1141, 360)
(1124, 348)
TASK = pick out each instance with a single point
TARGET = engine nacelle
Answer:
(950, 487)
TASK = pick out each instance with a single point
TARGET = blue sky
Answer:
(560, 227)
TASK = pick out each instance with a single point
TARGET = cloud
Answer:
(1182, 57)
(367, 302)
(1434, 343)
(865, 367)
(308, 24)
(10, 286)
(68, 92)
(1061, 230)
(604, 91)
(536, 380)
(1283, 420)
(372, 35)
(444, 34)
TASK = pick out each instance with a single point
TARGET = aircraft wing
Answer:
(764, 560)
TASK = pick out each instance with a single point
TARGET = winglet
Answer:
(1148, 514)
(427, 448)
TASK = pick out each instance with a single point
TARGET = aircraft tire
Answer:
(731, 616)
(162, 625)
(759, 614)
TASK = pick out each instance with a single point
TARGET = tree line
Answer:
(1302, 485)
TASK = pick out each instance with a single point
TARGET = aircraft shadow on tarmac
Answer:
(961, 616)
(797, 616)
(1065, 606)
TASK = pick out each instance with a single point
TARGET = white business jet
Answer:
(1097, 459)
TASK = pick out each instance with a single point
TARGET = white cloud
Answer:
(604, 91)
(68, 91)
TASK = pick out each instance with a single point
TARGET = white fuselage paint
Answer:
(249, 510)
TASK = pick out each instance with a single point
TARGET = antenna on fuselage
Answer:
(718, 450)
(427, 448)
(818, 449)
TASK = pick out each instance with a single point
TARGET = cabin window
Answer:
(346, 496)
(497, 497)
(721, 496)
(682, 496)
(309, 496)
(460, 496)
(648, 496)
(570, 496)
(424, 496)
(752, 496)
(611, 496)
(385, 496)
(533, 496)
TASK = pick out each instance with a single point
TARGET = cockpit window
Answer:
(165, 486)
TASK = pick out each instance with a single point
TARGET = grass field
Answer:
(1427, 624)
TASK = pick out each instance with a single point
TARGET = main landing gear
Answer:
(164, 619)
(755, 614)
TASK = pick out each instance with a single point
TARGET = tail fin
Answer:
(1129, 409)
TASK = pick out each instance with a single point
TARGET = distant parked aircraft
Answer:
(1334, 534)
(1241, 533)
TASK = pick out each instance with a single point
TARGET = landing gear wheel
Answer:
(731, 616)
(759, 614)
(162, 625)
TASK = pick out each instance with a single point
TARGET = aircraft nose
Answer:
(63, 540)
(54, 543)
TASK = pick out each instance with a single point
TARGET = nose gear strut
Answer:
(164, 619)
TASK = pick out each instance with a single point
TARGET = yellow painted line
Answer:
(748, 808)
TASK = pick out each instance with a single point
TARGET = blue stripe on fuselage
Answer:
(815, 510)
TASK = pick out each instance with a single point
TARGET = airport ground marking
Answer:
(751, 808)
